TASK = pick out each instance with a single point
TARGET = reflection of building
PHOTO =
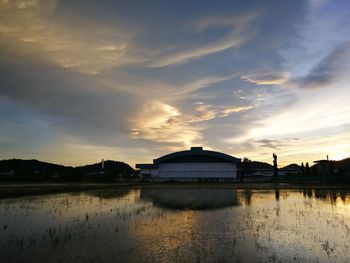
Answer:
(192, 164)
(194, 199)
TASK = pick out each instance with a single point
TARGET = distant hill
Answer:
(110, 168)
(256, 165)
(34, 170)
(345, 163)
(343, 166)
(292, 166)
(31, 166)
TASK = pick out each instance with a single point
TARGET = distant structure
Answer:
(102, 165)
(324, 167)
(254, 169)
(291, 170)
(194, 164)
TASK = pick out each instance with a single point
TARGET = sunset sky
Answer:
(133, 80)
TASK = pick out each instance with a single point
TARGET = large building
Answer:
(193, 164)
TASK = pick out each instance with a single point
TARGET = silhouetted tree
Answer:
(275, 168)
(245, 168)
(302, 169)
(331, 167)
(307, 169)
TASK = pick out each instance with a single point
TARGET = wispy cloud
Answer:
(32, 28)
(228, 111)
(229, 21)
(189, 54)
(320, 33)
(331, 69)
(205, 112)
(153, 89)
(201, 83)
(160, 122)
(275, 144)
(267, 78)
(237, 35)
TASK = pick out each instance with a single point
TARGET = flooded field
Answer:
(177, 225)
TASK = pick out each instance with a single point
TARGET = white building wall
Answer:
(150, 172)
(197, 170)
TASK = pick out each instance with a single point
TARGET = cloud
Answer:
(160, 122)
(315, 112)
(185, 56)
(219, 21)
(228, 111)
(267, 78)
(201, 83)
(237, 35)
(156, 114)
(334, 67)
(320, 32)
(71, 104)
(297, 150)
(154, 89)
(205, 112)
(32, 28)
(306, 148)
(275, 144)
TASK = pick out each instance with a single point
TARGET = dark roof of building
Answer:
(146, 166)
(196, 154)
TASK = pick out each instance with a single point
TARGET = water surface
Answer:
(177, 225)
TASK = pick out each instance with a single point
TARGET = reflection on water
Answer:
(177, 225)
(192, 199)
(107, 194)
(277, 194)
(247, 196)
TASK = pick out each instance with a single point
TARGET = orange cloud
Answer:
(160, 122)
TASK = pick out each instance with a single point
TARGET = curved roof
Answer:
(196, 153)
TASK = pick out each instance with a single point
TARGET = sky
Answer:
(134, 80)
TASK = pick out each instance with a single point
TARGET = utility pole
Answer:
(275, 168)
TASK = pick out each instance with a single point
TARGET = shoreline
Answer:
(14, 190)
